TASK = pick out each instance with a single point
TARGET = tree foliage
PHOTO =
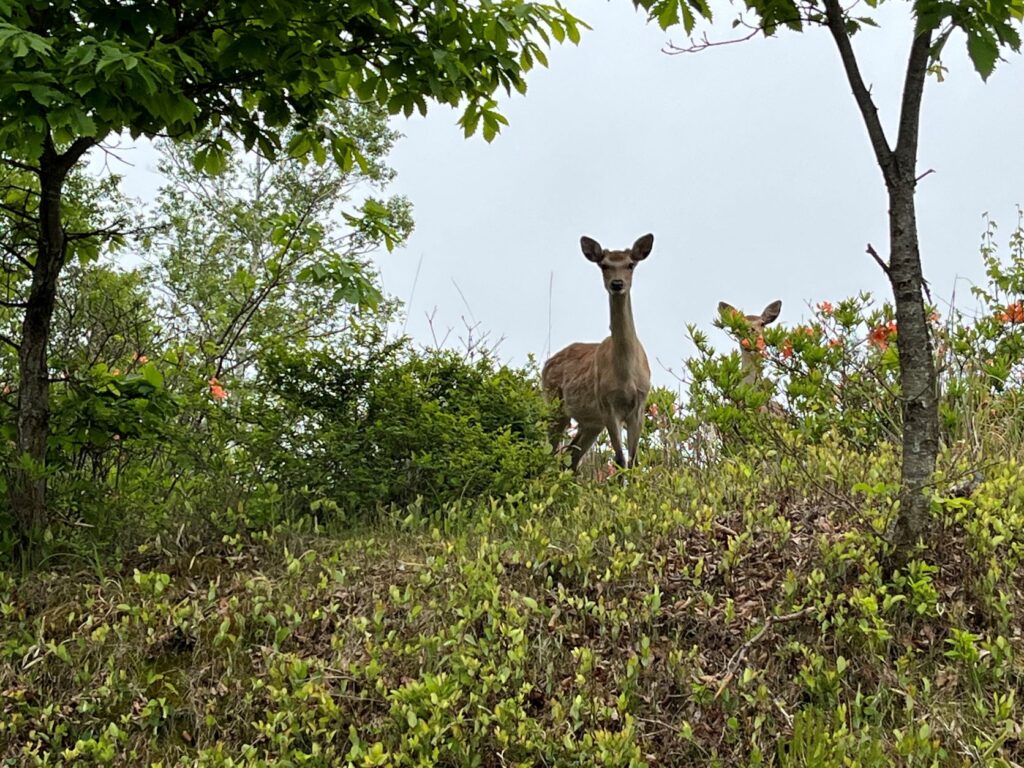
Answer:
(989, 28)
(82, 71)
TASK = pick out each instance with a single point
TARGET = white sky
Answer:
(749, 163)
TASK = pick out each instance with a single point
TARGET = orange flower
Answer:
(787, 349)
(216, 390)
(1014, 313)
(934, 317)
(809, 332)
(761, 346)
(653, 410)
(825, 308)
(115, 371)
(882, 335)
(745, 343)
(141, 359)
(835, 342)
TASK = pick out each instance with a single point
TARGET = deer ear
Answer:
(642, 248)
(591, 248)
(771, 312)
(726, 309)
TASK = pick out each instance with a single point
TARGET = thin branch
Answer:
(926, 173)
(878, 259)
(19, 212)
(741, 654)
(674, 50)
(9, 341)
(19, 165)
(876, 133)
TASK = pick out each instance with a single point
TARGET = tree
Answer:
(76, 73)
(265, 253)
(989, 29)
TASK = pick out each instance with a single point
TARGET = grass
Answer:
(736, 614)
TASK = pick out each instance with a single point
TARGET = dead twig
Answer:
(878, 259)
(741, 653)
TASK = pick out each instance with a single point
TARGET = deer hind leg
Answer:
(556, 430)
(586, 434)
(634, 426)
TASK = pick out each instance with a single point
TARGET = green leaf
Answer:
(668, 16)
(983, 50)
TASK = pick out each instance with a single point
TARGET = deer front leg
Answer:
(615, 436)
(634, 426)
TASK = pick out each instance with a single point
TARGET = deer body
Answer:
(603, 386)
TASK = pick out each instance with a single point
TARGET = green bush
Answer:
(358, 431)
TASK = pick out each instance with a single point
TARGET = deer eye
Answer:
(631, 265)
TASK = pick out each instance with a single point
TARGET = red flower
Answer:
(787, 349)
(825, 308)
(216, 390)
(1014, 313)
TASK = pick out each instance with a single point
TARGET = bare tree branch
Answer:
(878, 259)
(836, 19)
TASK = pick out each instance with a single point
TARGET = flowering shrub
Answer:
(839, 372)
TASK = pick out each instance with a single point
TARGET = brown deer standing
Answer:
(603, 386)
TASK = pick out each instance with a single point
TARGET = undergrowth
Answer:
(737, 615)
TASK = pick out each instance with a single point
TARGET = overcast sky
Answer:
(749, 163)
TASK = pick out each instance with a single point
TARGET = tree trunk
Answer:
(918, 385)
(27, 489)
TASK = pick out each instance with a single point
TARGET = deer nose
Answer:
(616, 285)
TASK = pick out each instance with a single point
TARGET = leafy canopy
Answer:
(251, 68)
(990, 26)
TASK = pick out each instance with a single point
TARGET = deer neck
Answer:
(624, 340)
(750, 366)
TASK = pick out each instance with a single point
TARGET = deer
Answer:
(750, 358)
(603, 385)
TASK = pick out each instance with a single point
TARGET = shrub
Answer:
(362, 429)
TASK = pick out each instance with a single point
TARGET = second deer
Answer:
(603, 386)
(750, 356)
(750, 360)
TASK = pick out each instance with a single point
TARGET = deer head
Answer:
(756, 323)
(617, 266)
